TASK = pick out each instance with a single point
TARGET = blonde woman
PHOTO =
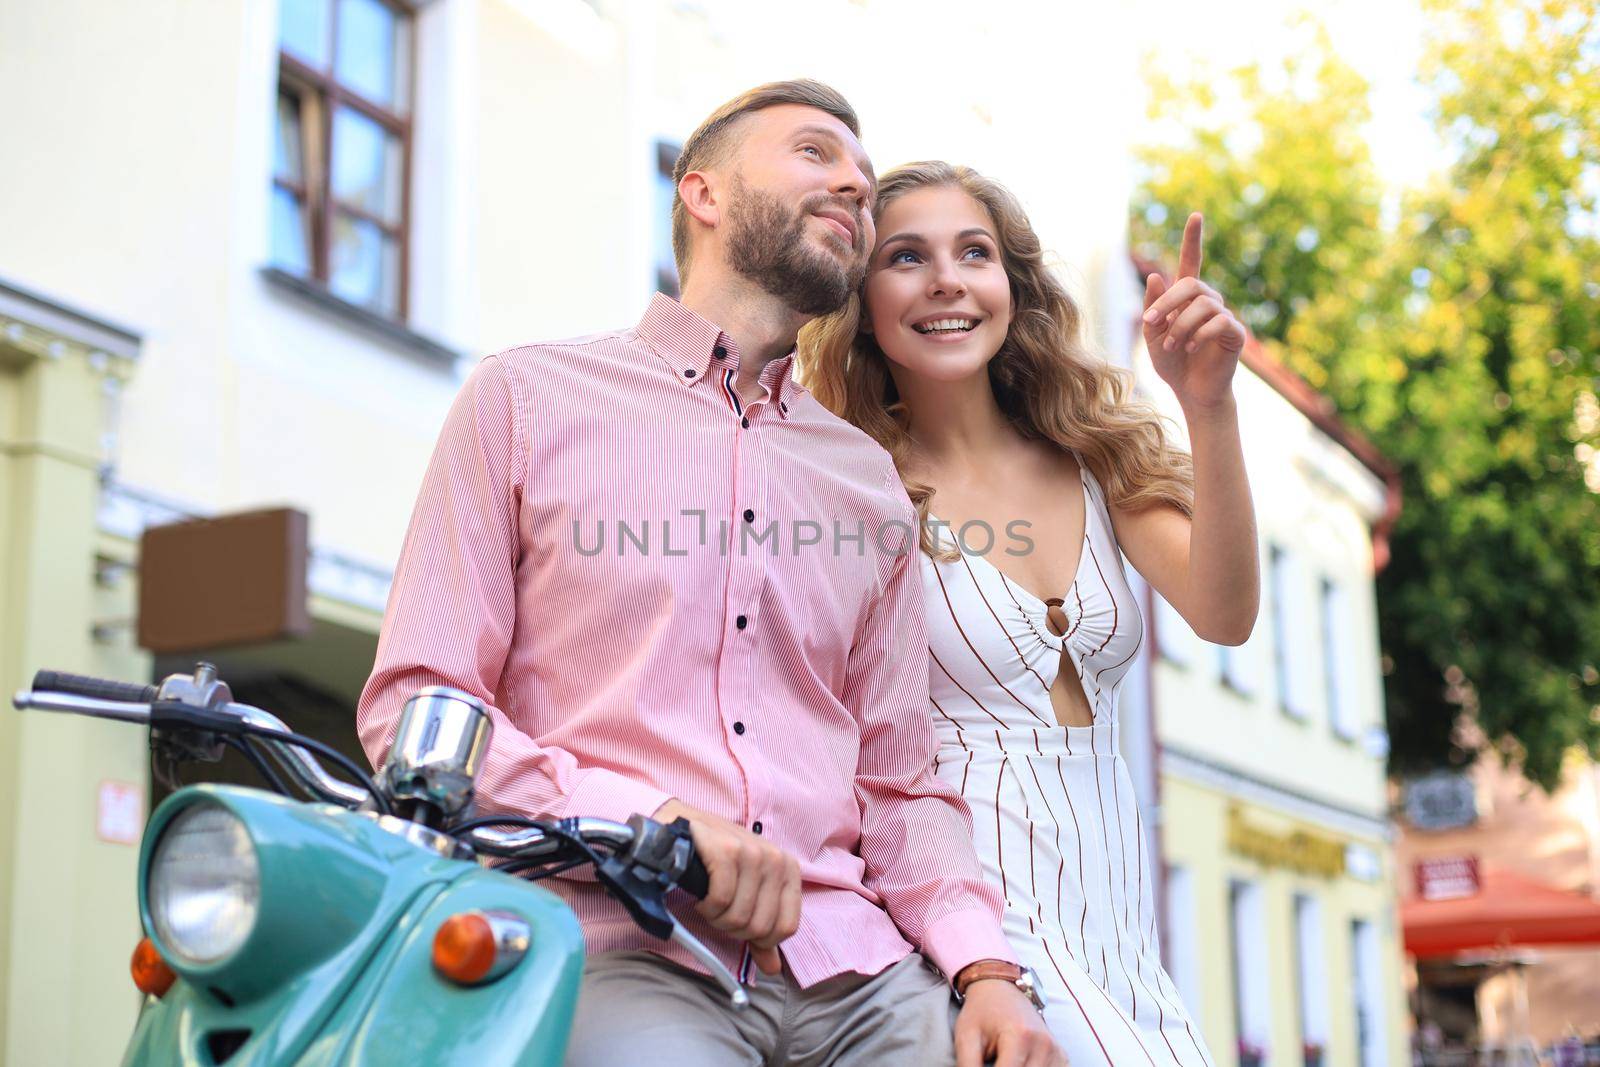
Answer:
(1034, 473)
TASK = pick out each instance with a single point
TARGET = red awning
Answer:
(1508, 909)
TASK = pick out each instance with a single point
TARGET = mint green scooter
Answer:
(359, 922)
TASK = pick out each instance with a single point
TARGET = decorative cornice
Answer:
(1203, 771)
(43, 328)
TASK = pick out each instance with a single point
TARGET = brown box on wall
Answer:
(233, 580)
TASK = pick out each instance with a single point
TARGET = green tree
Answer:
(1464, 342)
(1275, 158)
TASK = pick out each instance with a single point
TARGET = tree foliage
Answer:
(1462, 340)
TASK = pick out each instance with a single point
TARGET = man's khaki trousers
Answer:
(639, 1010)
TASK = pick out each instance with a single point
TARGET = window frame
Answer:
(666, 273)
(305, 83)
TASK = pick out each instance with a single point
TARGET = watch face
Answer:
(1028, 982)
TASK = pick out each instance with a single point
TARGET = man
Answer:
(770, 689)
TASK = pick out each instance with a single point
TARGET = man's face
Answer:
(798, 218)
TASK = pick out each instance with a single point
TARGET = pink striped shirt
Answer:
(664, 592)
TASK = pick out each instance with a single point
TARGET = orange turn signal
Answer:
(150, 972)
(464, 948)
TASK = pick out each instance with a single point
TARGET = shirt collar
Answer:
(695, 349)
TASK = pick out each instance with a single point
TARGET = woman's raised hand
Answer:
(1193, 339)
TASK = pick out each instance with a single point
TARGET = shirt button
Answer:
(741, 622)
(756, 826)
(749, 516)
(689, 373)
(719, 352)
(738, 727)
(783, 407)
(745, 422)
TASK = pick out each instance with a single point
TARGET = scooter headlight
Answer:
(204, 888)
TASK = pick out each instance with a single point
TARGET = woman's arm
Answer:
(1207, 567)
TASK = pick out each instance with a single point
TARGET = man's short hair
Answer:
(713, 141)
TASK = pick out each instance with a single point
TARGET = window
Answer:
(1252, 992)
(1174, 639)
(1336, 665)
(666, 196)
(1313, 979)
(1232, 668)
(341, 164)
(1277, 582)
(1291, 634)
(1180, 938)
(1241, 665)
(1368, 989)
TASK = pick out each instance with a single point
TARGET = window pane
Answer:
(1336, 660)
(363, 265)
(287, 161)
(290, 249)
(372, 51)
(366, 165)
(303, 29)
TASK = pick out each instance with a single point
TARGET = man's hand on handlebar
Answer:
(755, 885)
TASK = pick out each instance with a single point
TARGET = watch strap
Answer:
(983, 969)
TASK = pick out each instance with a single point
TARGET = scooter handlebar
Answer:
(696, 880)
(94, 688)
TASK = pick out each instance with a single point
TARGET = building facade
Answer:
(1267, 783)
(1488, 822)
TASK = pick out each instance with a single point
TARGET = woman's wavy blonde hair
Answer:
(1046, 380)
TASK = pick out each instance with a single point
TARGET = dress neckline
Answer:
(1042, 603)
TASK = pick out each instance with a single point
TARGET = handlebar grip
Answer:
(696, 880)
(96, 688)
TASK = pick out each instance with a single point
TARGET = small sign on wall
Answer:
(1447, 877)
(1444, 800)
(119, 813)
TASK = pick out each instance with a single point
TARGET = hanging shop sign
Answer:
(236, 579)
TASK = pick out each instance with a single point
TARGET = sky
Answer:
(977, 42)
(1381, 39)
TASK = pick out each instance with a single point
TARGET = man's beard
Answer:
(770, 247)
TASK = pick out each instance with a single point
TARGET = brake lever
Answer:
(724, 977)
(639, 877)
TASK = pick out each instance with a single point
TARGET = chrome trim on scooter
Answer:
(603, 831)
(512, 936)
(421, 836)
(301, 766)
(28, 700)
(438, 749)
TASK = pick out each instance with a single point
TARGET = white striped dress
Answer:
(1053, 809)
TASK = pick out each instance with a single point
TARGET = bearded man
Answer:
(769, 688)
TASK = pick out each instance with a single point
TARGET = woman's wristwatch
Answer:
(1023, 978)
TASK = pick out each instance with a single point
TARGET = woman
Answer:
(1033, 472)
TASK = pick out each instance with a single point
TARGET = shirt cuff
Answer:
(603, 794)
(964, 937)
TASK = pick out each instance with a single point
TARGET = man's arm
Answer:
(452, 610)
(916, 833)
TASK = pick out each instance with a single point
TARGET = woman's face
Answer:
(937, 298)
